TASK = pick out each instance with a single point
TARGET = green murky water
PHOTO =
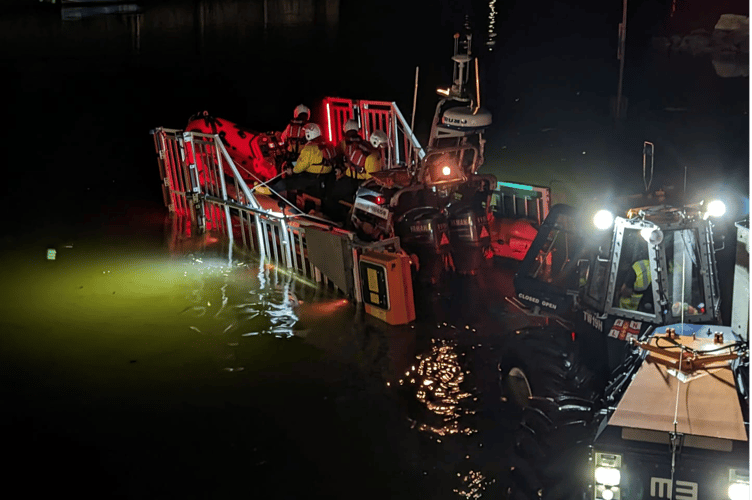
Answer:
(143, 364)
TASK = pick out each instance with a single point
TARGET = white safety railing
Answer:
(202, 182)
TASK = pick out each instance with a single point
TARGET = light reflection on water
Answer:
(492, 30)
(138, 323)
(104, 301)
(437, 378)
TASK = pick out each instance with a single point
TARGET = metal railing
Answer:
(404, 148)
(201, 182)
(522, 201)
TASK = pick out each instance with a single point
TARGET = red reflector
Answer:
(573, 336)
(380, 200)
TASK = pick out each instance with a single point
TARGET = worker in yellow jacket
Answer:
(361, 159)
(635, 285)
(374, 161)
(311, 170)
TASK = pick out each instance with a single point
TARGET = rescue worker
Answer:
(359, 160)
(635, 285)
(313, 166)
(379, 141)
(294, 136)
(353, 149)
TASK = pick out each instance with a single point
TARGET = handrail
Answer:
(409, 132)
(192, 166)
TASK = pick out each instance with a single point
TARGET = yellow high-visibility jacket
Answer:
(641, 283)
(373, 164)
(316, 157)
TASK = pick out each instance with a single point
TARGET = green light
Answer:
(501, 184)
(51, 252)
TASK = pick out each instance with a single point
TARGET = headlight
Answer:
(738, 491)
(739, 487)
(607, 471)
(603, 219)
(607, 475)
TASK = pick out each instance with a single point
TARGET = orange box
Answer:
(387, 286)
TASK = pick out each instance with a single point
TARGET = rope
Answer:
(676, 422)
(675, 435)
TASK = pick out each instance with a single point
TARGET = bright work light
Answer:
(603, 219)
(446, 170)
(716, 208)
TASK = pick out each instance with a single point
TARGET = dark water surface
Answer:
(142, 365)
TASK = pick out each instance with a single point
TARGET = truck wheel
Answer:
(555, 395)
(545, 362)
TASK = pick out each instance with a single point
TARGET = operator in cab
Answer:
(635, 293)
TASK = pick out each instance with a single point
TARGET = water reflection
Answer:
(207, 26)
(492, 33)
(77, 12)
(436, 379)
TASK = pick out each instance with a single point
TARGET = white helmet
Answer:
(300, 109)
(351, 125)
(312, 131)
(379, 138)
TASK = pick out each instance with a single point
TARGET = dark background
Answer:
(83, 91)
(81, 96)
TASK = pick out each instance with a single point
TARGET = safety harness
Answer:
(356, 153)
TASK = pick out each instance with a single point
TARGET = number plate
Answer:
(372, 208)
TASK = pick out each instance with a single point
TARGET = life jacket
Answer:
(328, 154)
(294, 135)
(356, 153)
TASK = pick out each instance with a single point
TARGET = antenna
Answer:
(647, 151)
(409, 159)
(684, 198)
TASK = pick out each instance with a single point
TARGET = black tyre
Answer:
(542, 378)
(545, 362)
